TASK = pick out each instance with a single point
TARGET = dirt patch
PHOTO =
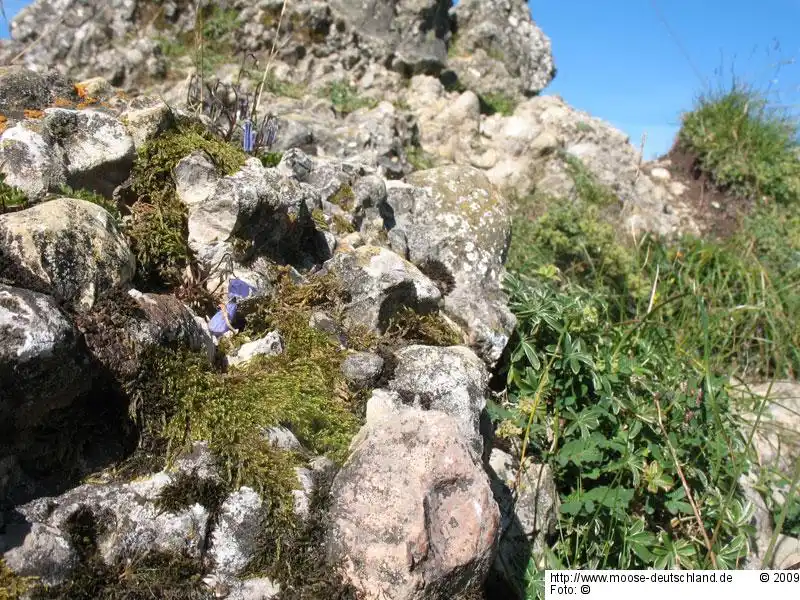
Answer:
(718, 213)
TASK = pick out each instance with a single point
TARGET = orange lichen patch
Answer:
(63, 103)
(80, 89)
(3, 123)
(31, 113)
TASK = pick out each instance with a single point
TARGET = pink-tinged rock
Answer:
(413, 516)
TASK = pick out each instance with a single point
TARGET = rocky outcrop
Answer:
(497, 48)
(413, 516)
(455, 226)
(71, 249)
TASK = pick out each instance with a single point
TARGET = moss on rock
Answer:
(158, 229)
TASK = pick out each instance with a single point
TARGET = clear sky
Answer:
(640, 63)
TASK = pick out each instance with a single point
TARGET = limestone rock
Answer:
(458, 230)
(499, 48)
(68, 248)
(269, 345)
(362, 369)
(98, 152)
(41, 368)
(412, 511)
(30, 162)
(450, 380)
(380, 283)
(234, 540)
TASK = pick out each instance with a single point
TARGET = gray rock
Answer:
(459, 231)
(381, 405)
(528, 519)
(98, 152)
(254, 203)
(128, 522)
(41, 368)
(412, 32)
(145, 119)
(362, 369)
(30, 162)
(235, 538)
(451, 380)
(504, 40)
(269, 345)
(380, 283)
(21, 89)
(412, 513)
(283, 438)
(68, 248)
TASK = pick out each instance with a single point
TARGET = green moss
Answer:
(319, 219)
(498, 102)
(432, 329)
(11, 197)
(12, 586)
(296, 556)
(187, 489)
(158, 229)
(342, 224)
(271, 159)
(94, 198)
(344, 198)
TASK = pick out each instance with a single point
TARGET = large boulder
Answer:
(408, 34)
(41, 368)
(126, 519)
(412, 514)
(450, 380)
(98, 151)
(380, 283)
(498, 48)
(455, 226)
(71, 249)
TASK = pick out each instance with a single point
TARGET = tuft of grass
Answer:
(94, 198)
(345, 97)
(498, 103)
(271, 159)
(11, 198)
(747, 146)
(158, 229)
(344, 198)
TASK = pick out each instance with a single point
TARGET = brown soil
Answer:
(716, 211)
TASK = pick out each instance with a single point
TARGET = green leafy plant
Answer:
(498, 103)
(345, 97)
(11, 197)
(94, 198)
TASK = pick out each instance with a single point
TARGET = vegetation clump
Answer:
(410, 327)
(746, 145)
(345, 97)
(620, 376)
(11, 198)
(12, 586)
(158, 229)
(498, 103)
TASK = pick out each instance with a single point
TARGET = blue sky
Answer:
(640, 63)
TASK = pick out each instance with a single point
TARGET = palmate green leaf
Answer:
(675, 503)
(586, 420)
(656, 479)
(732, 553)
(670, 553)
(639, 541)
(579, 452)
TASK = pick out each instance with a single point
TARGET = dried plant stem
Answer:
(269, 59)
(686, 487)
